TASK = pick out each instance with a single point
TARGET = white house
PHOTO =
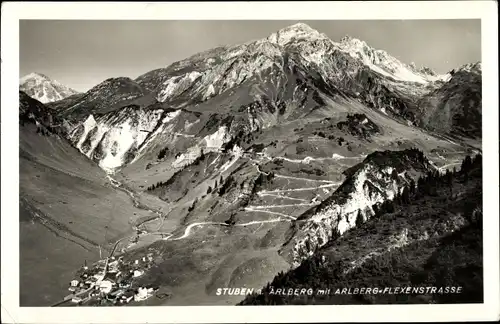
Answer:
(76, 299)
(105, 286)
(74, 283)
(142, 294)
(138, 273)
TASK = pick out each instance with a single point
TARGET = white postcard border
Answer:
(12, 12)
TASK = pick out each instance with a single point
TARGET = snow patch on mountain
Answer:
(164, 128)
(216, 140)
(177, 85)
(88, 124)
(381, 62)
(237, 153)
(210, 92)
(118, 141)
(187, 157)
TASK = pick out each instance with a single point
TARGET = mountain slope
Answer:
(43, 89)
(109, 95)
(431, 238)
(380, 177)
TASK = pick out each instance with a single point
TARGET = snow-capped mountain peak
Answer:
(471, 67)
(43, 89)
(354, 43)
(382, 62)
(299, 31)
(34, 76)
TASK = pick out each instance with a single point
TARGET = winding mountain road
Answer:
(263, 192)
(302, 179)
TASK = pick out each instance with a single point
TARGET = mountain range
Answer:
(240, 161)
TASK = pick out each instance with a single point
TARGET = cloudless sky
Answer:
(83, 53)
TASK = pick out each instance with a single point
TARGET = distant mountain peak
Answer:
(302, 27)
(298, 31)
(34, 75)
(471, 67)
(347, 39)
(384, 63)
(42, 88)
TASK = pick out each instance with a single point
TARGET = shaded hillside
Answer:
(32, 111)
(107, 96)
(430, 235)
(456, 107)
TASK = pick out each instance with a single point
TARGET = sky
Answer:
(83, 53)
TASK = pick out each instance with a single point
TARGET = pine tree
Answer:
(466, 164)
(359, 218)
(405, 196)
(478, 160)
(390, 206)
(449, 181)
(376, 210)
(398, 198)
(335, 233)
(420, 186)
(412, 187)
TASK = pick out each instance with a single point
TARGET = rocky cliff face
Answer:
(113, 139)
(379, 177)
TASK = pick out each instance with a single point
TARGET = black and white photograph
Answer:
(250, 162)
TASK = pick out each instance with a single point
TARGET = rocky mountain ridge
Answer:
(288, 73)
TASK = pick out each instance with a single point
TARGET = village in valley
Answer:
(111, 282)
